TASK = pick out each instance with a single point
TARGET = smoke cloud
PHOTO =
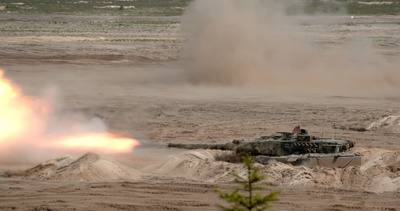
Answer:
(253, 43)
(36, 129)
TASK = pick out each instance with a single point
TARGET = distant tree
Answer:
(11, 6)
(251, 201)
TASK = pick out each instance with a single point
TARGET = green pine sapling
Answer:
(252, 201)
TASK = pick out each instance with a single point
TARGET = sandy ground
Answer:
(127, 71)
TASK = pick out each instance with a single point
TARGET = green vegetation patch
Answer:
(30, 45)
(89, 7)
(352, 7)
(355, 8)
(136, 40)
(177, 7)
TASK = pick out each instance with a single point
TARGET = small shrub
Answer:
(358, 129)
(251, 201)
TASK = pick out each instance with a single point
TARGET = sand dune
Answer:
(388, 124)
(379, 172)
(89, 167)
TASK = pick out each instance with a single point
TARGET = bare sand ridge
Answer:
(389, 124)
(196, 173)
(379, 173)
(89, 167)
(133, 79)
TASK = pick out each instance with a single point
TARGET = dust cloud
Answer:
(253, 43)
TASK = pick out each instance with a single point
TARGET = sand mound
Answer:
(379, 173)
(197, 165)
(89, 167)
(389, 124)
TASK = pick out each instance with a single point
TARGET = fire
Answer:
(95, 142)
(12, 110)
(24, 120)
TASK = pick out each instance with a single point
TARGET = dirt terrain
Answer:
(128, 71)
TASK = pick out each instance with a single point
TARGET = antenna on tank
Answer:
(334, 127)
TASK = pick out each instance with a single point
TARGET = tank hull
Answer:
(340, 160)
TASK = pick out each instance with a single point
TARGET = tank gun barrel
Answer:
(228, 146)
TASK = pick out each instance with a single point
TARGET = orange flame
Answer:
(12, 110)
(95, 142)
(23, 121)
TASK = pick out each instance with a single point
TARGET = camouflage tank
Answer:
(296, 148)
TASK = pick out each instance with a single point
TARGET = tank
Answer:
(296, 148)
